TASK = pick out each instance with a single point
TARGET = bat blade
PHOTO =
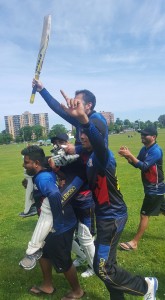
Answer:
(42, 51)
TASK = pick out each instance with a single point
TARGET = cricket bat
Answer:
(43, 46)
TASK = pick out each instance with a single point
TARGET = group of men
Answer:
(101, 189)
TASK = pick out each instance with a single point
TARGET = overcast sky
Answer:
(115, 48)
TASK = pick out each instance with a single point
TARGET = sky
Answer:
(114, 48)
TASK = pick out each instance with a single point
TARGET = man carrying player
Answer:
(85, 197)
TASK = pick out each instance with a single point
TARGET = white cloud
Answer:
(107, 45)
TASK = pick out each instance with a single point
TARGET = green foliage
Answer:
(74, 131)
(127, 123)
(161, 120)
(120, 126)
(5, 138)
(37, 132)
(26, 133)
(57, 129)
(29, 133)
(148, 260)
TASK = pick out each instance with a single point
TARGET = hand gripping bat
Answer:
(43, 46)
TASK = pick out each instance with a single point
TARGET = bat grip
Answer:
(33, 94)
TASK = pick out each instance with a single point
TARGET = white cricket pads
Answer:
(43, 227)
(86, 242)
(77, 250)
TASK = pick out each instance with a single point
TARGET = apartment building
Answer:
(108, 116)
(15, 122)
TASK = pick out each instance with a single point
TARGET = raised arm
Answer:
(53, 103)
(76, 109)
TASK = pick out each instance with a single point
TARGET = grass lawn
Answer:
(148, 260)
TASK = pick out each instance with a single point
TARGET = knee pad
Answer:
(45, 207)
(77, 250)
(84, 235)
(86, 242)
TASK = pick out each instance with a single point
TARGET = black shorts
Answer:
(151, 205)
(57, 248)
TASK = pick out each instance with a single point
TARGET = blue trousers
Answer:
(117, 280)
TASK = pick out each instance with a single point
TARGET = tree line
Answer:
(37, 132)
(120, 126)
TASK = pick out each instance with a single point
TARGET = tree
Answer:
(111, 127)
(57, 129)
(74, 131)
(119, 122)
(156, 124)
(161, 120)
(117, 128)
(138, 124)
(5, 138)
(26, 133)
(37, 132)
(127, 123)
(18, 139)
(148, 123)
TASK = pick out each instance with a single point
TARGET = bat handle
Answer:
(33, 94)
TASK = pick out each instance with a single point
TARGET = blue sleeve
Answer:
(99, 116)
(98, 143)
(56, 107)
(153, 156)
(49, 189)
(72, 190)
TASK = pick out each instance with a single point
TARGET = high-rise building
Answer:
(108, 116)
(14, 123)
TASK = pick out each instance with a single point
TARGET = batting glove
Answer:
(63, 159)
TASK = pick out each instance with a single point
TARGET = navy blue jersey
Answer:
(56, 107)
(151, 166)
(102, 179)
(82, 199)
(45, 186)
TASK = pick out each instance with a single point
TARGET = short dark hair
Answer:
(87, 97)
(35, 153)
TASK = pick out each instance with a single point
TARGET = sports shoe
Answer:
(89, 272)
(152, 288)
(78, 262)
(30, 213)
(29, 261)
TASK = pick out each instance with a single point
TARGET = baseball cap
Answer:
(149, 130)
(60, 136)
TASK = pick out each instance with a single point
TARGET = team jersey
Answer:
(151, 166)
(56, 107)
(83, 198)
(102, 179)
(45, 186)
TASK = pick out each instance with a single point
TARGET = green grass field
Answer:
(148, 260)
